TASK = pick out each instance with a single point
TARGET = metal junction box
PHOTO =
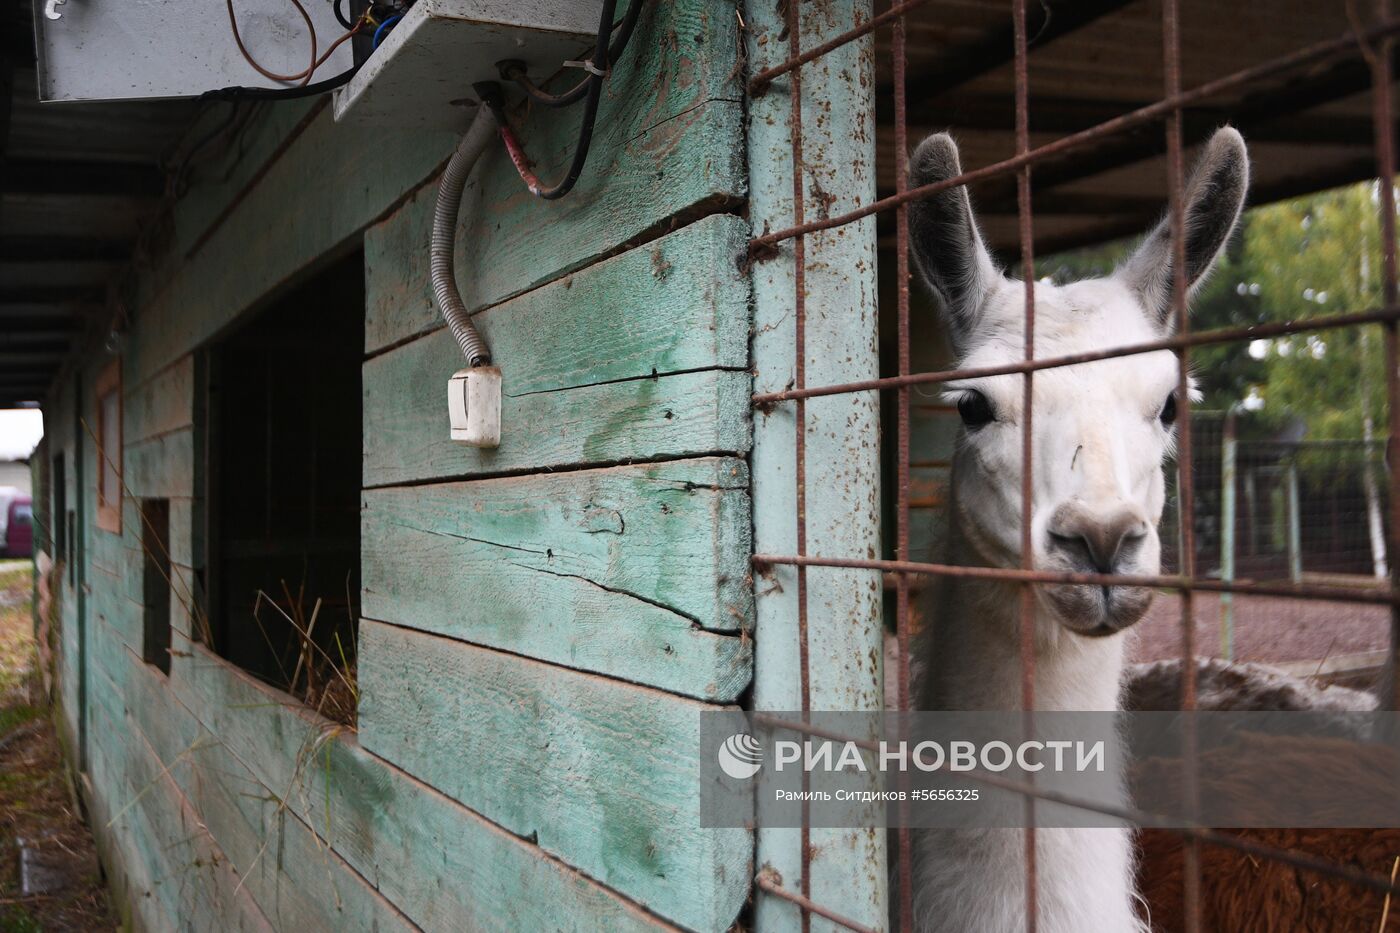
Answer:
(422, 73)
(144, 49)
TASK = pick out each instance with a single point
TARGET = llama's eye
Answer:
(974, 409)
(1168, 415)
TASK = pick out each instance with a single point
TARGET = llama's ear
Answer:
(947, 246)
(1214, 196)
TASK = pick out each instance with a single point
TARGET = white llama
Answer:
(1101, 433)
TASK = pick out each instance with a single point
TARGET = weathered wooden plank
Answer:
(618, 571)
(844, 624)
(612, 769)
(444, 866)
(327, 176)
(161, 404)
(658, 142)
(295, 877)
(187, 876)
(161, 467)
(406, 437)
(580, 359)
(669, 138)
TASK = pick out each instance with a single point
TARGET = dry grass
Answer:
(35, 803)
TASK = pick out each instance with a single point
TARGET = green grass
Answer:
(18, 920)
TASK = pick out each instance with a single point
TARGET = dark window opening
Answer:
(59, 521)
(72, 538)
(283, 447)
(155, 584)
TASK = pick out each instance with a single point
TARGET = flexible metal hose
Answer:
(449, 200)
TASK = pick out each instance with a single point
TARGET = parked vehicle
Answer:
(19, 528)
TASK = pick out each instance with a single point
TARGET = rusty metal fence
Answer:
(1375, 45)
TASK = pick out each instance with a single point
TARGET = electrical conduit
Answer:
(449, 201)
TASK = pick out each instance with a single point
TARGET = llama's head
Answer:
(1101, 429)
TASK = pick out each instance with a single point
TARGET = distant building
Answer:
(16, 473)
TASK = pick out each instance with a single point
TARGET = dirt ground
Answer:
(1266, 629)
(35, 802)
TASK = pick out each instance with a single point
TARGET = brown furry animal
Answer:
(1243, 893)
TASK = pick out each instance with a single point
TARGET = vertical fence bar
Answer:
(799, 356)
(830, 115)
(1229, 451)
(1026, 231)
(1171, 73)
(902, 427)
(1385, 172)
(1294, 518)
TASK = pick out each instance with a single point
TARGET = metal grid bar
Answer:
(1168, 110)
(1386, 315)
(1026, 227)
(794, 30)
(1382, 117)
(1171, 71)
(901, 549)
(1312, 55)
(1143, 818)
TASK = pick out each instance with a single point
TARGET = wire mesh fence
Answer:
(1293, 521)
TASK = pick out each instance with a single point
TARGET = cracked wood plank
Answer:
(443, 865)
(633, 572)
(636, 357)
(611, 769)
(298, 880)
(669, 142)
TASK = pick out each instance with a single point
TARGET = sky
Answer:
(20, 430)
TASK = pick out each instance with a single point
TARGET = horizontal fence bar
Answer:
(1140, 818)
(762, 247)
(759, 82)
(768, 883)
(1385, 315)
(1318, 591)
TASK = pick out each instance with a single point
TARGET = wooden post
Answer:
(1295, 545)
(842, 494)
(1228, 449)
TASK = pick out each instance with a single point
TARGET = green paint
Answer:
(610, 364)
(618, 571)
(611, 768)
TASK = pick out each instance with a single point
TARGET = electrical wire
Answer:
(303, 76)
(385, 27)
(305, 89)
(340, 16)
(515, 70)
(491, 96)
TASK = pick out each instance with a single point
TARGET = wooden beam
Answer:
(1066, 115)
(55, 314)
(1045, 22)
(22, 359)
(63, 249)
(1262, 108)
(1132, 225)
(34, 341)
(51, 295)
(43, 177)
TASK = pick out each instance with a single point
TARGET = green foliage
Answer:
(1308, 257)
(1313, 256)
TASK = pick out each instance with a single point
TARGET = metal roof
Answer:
(79, 180)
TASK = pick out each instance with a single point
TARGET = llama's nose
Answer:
(1100, 538)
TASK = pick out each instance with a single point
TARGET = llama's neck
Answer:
(972, 658)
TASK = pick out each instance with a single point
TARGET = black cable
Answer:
(340, 15)
(515, 70)
(282, 93)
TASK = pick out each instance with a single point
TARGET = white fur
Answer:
(1098, 445)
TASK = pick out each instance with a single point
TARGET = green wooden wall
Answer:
(543, 623)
